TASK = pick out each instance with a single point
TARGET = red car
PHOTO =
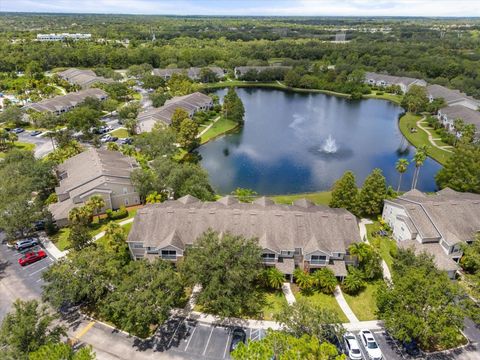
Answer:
(32, 257)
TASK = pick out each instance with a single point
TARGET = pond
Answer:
(302, 142)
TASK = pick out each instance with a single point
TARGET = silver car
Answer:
(25, 244)
(352, 347)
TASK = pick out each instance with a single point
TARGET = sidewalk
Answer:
(344, 305)
(57, 254)
(287, 291)
(363, 235)
(208, 127)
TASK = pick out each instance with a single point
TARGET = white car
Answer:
(368, 341)
(352, 348)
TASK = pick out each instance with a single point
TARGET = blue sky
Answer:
(251, 7)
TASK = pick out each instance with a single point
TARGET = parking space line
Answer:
(39, 280)
(33, 273)
(190, 338)
(208, 340)
(171, 339)
(226, 346)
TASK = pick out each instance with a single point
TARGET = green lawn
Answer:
(120, 133)
(420, 137)
(384, 244)
(327, 301)
(20, 146)
(319, 198)
(274, 302)
(60, 239)
(397, 99)
(363, 304)
(222, 126)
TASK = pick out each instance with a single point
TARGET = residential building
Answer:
(449, 114)
(242, 70)
(436, 224)
(191, 103)
(64, 103)
(62, 37)
(193, 73)
(384, 80)
(94, 172)
(300, 235)
(83, 78)
(452, 97)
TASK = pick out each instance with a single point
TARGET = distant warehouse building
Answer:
(62, 104)
(191, 103)
(193, 73)
(62, 37)
(83, 78)
(301, 235)
(385, 80)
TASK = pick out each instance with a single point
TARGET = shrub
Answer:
(380, 93)
(51, 199)
(354, 282)
(117, 214)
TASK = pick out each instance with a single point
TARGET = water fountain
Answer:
(330, 145)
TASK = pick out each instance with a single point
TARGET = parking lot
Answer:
(30, 275)
(188, 339)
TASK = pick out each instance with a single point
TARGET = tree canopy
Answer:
(227, 268)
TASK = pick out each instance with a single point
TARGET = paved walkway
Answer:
(430, 137)
(287, 291)
(57, 254)
(363, 234)
(344, 305)
(208, 127)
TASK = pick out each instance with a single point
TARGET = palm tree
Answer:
(353, 283)
(458, 124)
(303, 279)
(325, 280)
(401, 166)
(95, 204)
(153, 197)
(361, 250)
(275, 278)
(419, 158)
(78, 215)
(12, 137)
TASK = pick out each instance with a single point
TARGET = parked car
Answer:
(412, 349)
(126, 141)
(18, 130)
(39, 225)
(352, 348)
(25, 244)
(368, 341)
(334, 340)
(31, 257)
(108, 138)
(35, 133)
(238, 336)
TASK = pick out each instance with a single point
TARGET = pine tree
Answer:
(345, 192)
(233, 108)
(374, 191)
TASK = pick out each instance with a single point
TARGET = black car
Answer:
(411, 348)
(238, 336)
(126, 141)
(17, 130)
(39, 225)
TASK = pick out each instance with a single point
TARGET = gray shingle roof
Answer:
(469, 116)
(448, 213)
(190, 103)
(441, 259)
(67, 102)
(83, 78)
(92, 164)
(242, 70)
(193, 72)
(389, 79)
(449, 95)
(278, 227)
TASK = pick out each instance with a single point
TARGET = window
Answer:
(126, 201)
(152, 251)
(125, 190)
(137, 246)
(318, 259)
(286, 253)
(169, 254)
(267, 257)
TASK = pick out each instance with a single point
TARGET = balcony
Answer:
(168, 257)
(268, 260)
(318, 262)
